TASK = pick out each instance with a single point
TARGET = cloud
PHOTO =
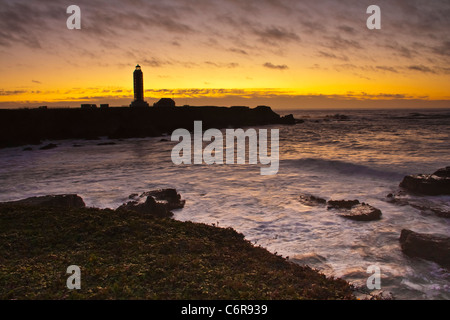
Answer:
(273, 66)
(443, 49)
(387, 68)
(36, 81)
(329, 55)
(240, 51)
(222, 65)
(275, 34)
(421, 68)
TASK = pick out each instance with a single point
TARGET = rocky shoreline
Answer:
(416, 245)
(137, 252)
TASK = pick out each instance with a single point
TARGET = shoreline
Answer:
(19, 127)
(131, 254)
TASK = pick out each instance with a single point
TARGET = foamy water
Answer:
(363, 158)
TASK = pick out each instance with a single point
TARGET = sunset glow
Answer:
(283, 53)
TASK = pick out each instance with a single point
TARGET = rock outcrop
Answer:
(426, 246)
(312, 201)
(350, 209)
(437, 183)
(66, 201)
(354, 210)
(156, 202)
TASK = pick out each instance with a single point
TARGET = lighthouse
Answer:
(138, 84)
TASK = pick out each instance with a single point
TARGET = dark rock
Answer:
(170, 196)
(27, 149)
(76, 145)
(337, 117)
(437, 183)
(150, 206)
(443, 172)
(426, 246)
(288, 119)
(424, 205)
(157, 202)
(362, 212)
(354, 210)
(66, 201)
(106, 143)
(342, 204)
(48, 146)
(311, 200)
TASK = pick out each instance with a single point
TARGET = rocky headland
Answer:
(137, 252)
(32, 126)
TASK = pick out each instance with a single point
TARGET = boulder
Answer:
(157, 202)
(170, 196)
(437, 183)
(424, 205)
(312, 201)
(362, 212)
(150, 206)
(66, 201)
(342, 204)
(354, 210)
(426, 246)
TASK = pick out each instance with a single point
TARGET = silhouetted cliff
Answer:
(31, 126)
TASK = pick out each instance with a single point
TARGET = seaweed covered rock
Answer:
(426, 246)
(437, 183)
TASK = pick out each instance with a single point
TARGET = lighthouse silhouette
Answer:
(138, 83)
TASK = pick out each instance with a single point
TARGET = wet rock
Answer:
(170, 196)
(354, 210)
(48, 146)
(28, 149)
(342, 204)
(288, 119)
(150, 206)
(340, 117)
(66, 201)
(424, 205)
(443, 172)
(110, 143)
(155, 202)
(437, 183)
(426, 246)
(362, 212)
(312, 201)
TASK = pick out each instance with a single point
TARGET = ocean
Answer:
(345, 154)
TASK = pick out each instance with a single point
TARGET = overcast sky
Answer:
(287, 53)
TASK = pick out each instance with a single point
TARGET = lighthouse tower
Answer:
(138, 83)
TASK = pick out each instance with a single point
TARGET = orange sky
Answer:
(285, 54)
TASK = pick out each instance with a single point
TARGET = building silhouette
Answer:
(138, 82)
